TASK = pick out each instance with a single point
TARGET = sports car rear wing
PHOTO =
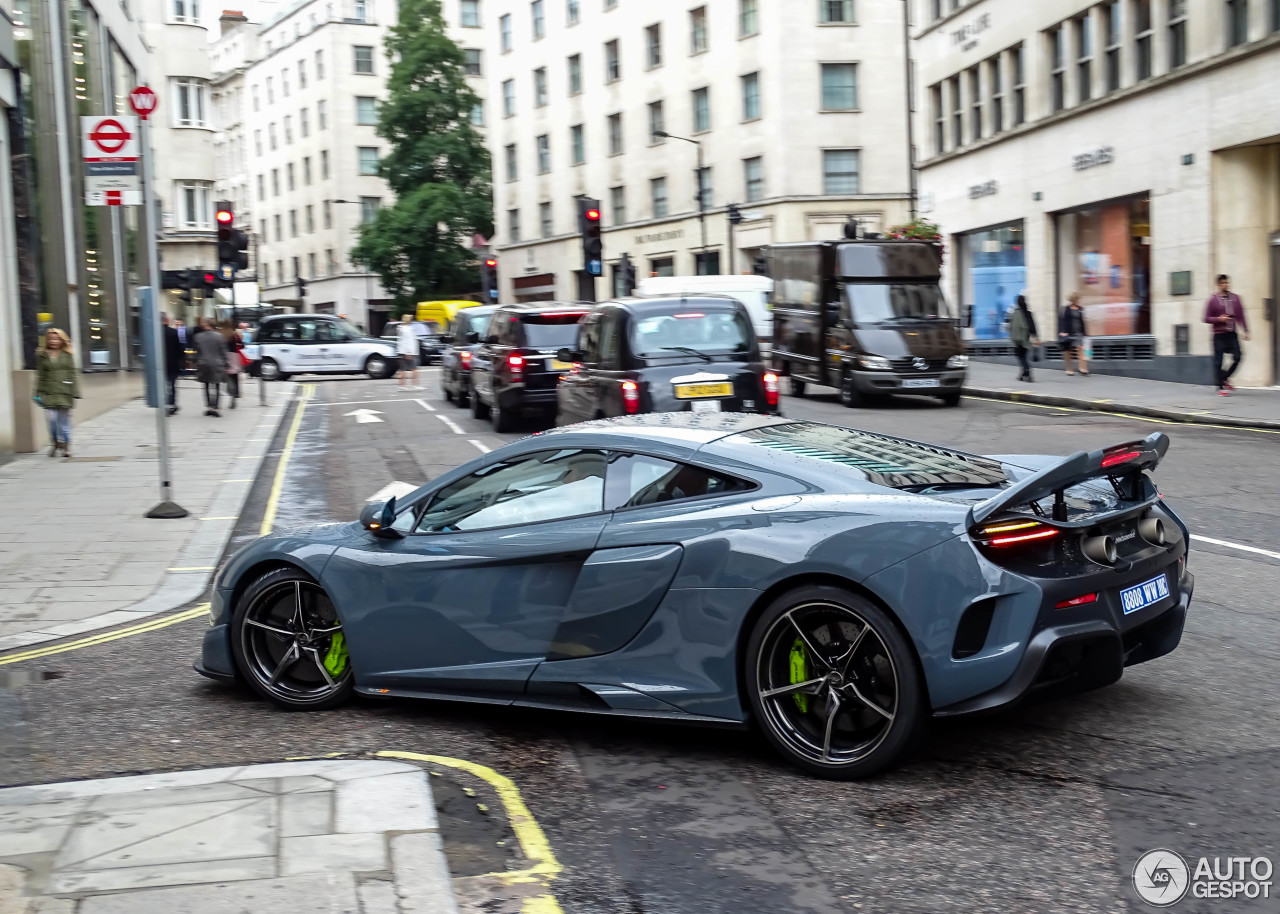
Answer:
(1126, 462)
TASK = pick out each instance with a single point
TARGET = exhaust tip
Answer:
(1101, 549)
(1152, 530)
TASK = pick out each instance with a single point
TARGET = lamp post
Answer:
(368, 276)
(911, 141)
(702, 197)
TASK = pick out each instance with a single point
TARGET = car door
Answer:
(482, 360)
(287, 347)
(574, 400)
(470, 599)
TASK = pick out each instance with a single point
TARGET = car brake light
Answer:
(1015, 533)
(516, 364)
(466, 360)
(1078, 601)
(1115, 458)
(631, 396)
(770, 388)
(561, 313)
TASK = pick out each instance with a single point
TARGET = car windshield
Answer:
(882, 460)
(881, 304)
(551, 331)
(475, 323)
(675, 332)
(346, 328)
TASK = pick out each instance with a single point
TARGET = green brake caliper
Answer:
(799, 673)
(336, 660)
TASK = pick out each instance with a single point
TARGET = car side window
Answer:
(307, 331)
(548, 485)
(287, 332)
(504, 328)
(267, 334)
(327, 333)
(610, 357)
(589, 339)
(638, 479)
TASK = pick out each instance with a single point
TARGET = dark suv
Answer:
(461, 343)
(657, 355)
(515, 369)
(430, 343)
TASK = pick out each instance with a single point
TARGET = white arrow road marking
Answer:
(480, 446)
(392, 490)
(365, 415)
(453, 426)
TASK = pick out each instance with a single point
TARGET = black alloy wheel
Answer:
(796, 386)
(288, 643)
(833, 683)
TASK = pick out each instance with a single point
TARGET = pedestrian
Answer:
(407, 347)
(175, 356)
(211, 364)
(1071, 333)
(1225, 312)
(1023, 335)
(57, 388)
(235, 363)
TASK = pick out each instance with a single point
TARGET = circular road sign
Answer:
(143, 101)
(110, 136)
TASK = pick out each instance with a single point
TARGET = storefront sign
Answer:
(1103, 155)
(988, 189)
(653, 237)
(967, 35)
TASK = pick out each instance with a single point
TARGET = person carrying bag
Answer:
(57, 388)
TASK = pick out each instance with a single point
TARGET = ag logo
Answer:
(1161, 878)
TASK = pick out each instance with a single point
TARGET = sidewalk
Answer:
(76, 552)
(324, 837)
(1252, 408)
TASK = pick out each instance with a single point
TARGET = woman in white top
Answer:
(407, 347)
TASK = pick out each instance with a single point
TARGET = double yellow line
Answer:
(149, 626)
(277, 486)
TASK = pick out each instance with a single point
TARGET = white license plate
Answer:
(1143, 595)
(705, 406)
(917, 383)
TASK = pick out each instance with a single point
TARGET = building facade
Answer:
(1128, 151)
(794, 111)
(12, 356)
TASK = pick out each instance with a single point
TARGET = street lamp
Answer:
(702, 197)
(368, 276)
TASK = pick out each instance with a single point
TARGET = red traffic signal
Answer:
(491, 263)
(592, 215)
(224, 217)
(210, 279)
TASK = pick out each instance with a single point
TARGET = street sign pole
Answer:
(167, 508)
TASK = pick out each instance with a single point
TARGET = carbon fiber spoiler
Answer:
(1123, 461)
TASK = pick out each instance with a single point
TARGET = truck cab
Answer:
(867, 318)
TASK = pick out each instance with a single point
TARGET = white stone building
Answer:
(797, 109)
(1127, 150)
(302, 93)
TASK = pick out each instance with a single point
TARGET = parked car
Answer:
(461, 342)
(430, 344)
(516, 368)
(320, 344)
(655, 355)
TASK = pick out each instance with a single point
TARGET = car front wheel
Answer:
(834, 683)
(377, 367)
(270, 371)
(288, 642)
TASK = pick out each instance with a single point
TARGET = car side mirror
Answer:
(446, 338)
(378, 519)
(492, 339)
(472, 337)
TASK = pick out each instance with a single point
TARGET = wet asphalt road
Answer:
(1043, 809)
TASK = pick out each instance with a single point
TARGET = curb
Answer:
(203, 550)
(1111, 406)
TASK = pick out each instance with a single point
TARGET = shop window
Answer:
(707, 263)
(993, 273)
(662, 266)
(1104, 254)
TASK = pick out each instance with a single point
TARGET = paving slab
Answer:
(253, 838)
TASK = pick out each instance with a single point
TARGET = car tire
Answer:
(951, 399)
(448, 394)
(503, 419)
(796, 386)
(377, 367)
(850, 396)
(478, 409)
(270, 371)
(463, 398)
(864, 707)
(276, 618)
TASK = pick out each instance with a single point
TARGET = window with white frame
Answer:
(975, 103)
(368, 159)
(369, 207)
(320, 64)
(1111, 25)
(612, 62)
(578, 144)
(275, 182)
(326, 214)
(653, 44)
(322, 115)
(1058, 68)
(698, 30)
(957, 115)
(311, 218)
(470, 17)
(544, 154)
(293, 223)
(186, 11)
(748, 18)
(513, 224)
(618, 205)
(311, 265)
(284, 83)
(1177, 33)
(302, 74)
(1084, 57)
(254, 92)
(195, 211)
(701, 110)
(504, 31)
(477, 114)
(658, 197)
(471, 62)
(513, 162)
(271, 135)
(753, 178)
(257, 142)
(939, 112)
(835, 11)
(288, 129)
(995, 84)
(615, 134)
(540, 87)
(572, 12)
(362, 58)
(539, 17)
(839, 86)
(1019, 77)
(290, 176)
(702, 190)
(840, 171)
(360, 10)
(304, 122)
(657, 123)
(750, 96)
(575, 74)
(509, 98)
(306, 170)
(544, 219)
(262, 187)
(188, 102)
(324, 165)
(1142, 37)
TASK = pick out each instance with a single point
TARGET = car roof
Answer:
(294, 317)
(657, 304)
(688, 428)
(539, 307)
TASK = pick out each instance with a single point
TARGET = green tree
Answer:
(438, 166)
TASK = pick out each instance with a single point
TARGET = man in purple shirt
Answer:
(1225, 313)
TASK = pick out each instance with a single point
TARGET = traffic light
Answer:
(627, 275)
(210, 283)
(302, 288)
(185, 280)
(233, 244)
(760, 267)
(489, 278)
(735, 214)
(592, 243)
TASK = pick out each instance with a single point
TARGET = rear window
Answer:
(882, 460)
(551, 331)
(676, 331)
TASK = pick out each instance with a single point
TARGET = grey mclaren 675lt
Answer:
(837, 588)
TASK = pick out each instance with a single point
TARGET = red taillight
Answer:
(1014, 533)
(770, 388)
(1078, 601)
(631, 396)
(515, 363)
(1115, 458)
(466, 360)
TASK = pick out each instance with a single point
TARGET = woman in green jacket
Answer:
(57, 388)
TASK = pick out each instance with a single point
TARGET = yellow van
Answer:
(441, 313)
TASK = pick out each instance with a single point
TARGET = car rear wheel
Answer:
(288, 642)
(504, 420)
(478, 409)
(270, 371)
(850, 396)
(463, 396)
(833, 683)
(796, 386)
(951, 400)
(377, 367)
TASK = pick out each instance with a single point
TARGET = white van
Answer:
(752, 291)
